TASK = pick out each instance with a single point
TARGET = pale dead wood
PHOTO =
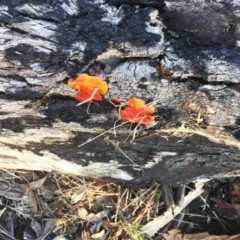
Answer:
(153, 226)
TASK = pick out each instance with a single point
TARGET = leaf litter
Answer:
(56, 206)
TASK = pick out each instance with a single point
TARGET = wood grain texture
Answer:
(188, 64)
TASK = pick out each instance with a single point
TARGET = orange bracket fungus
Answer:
(89, 87)
(137, 111)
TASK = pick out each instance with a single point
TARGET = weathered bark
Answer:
(183, 55)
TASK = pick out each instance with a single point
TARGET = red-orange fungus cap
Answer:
(86, 85)
(136, 111)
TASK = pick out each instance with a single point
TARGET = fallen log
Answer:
(166, 55)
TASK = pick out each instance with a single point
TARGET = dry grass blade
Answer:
(116, 145)
(102, 134)
(147, 207)
(2, 211)
(88, 100)
(5, 234)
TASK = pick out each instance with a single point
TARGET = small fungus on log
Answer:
(89, 87)
(137, 111)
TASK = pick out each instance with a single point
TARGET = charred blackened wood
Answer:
(182, 56)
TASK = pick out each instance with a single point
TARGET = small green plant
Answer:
(159, 192)
(225, 226)
(134, 231)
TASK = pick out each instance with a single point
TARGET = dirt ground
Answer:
(40, 205)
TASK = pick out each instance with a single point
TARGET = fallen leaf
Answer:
(13, 191)
(210, 110)
(60, 237)
(33, 201)
(85, 235)
(176, 234)
(37, 184)
(77, 197)
(98, 235)
(82, 213)
(89, 87)
(137, 111)
(49, 224)
(37, 227)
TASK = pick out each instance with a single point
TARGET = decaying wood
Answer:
(182, 55)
